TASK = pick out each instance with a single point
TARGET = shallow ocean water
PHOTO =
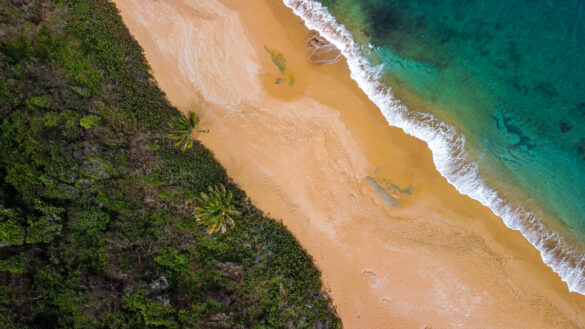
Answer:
(509, 75)
(495, 90)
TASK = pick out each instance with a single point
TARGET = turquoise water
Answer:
(509, 76)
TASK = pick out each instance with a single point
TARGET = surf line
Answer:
(447, 147)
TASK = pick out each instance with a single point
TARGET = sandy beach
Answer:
(397, 245)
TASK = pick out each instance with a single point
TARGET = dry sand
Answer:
(304, 153)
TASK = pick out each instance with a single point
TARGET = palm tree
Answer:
(215, 209)
(183, 129)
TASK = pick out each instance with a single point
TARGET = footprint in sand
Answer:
(371, 277)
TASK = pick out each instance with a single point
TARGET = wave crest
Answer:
(447, 147)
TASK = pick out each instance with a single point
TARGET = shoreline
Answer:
(559, 248)
(303, 154)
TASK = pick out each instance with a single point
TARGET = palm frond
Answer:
(183, 130)
(215, 210)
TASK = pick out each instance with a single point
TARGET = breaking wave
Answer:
(447, 146)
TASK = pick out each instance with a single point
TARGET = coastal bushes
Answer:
(96, 227)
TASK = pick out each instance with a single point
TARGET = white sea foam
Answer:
(447, 146)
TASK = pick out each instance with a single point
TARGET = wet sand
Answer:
(397, 245)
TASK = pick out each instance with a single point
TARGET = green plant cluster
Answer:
(95, 227)
(215, 209)
(184, 129)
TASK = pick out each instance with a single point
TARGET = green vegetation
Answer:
(215, 209)
(89, 121)
(95, 227)
(183, 130)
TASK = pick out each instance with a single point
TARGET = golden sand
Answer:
(319, 156)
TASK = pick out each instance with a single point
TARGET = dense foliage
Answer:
(96, 226)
